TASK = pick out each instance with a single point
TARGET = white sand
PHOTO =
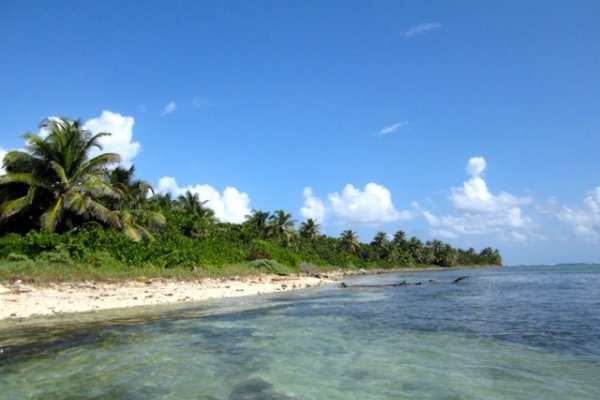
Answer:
(21, 301)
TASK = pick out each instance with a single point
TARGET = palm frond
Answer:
(130, 232)
(157, 219)
(51, 217)
(100, 162)
(18, 161)
(75, 202)
(60, 171)
(96, 187)
(19, 177)
(102, 213)
(15, 206)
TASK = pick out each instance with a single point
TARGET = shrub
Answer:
(17, 257)
(270, 267)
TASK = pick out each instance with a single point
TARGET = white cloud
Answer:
(479, 211)
(201, 102)
(2, 154)
(169, 108)
(120, 141)
(507, 224)
(229, 206)
(585, 221)
(371, 205)
(313, 206)
(392, 128)
(422, 28)
(476, 166)
(475, 197)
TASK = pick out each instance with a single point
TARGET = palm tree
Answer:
(380, 239)
(309, 229)
(416, 250)
(132, 205)
(191, 204)
(257, 221)
(281, 226)
(389, 252)
(131, 191)
(56, 174)
(399, 239)
(163, 201)
(349, 241)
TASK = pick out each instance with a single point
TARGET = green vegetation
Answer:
(67, 216)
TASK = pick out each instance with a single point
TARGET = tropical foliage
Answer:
(59, 203)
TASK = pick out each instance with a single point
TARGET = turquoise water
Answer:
(507, 333)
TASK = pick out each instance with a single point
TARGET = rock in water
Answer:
(256, 389)
(460, 279)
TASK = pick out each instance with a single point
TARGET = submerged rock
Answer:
(256, 389)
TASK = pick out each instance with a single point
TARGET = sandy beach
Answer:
(19, 301)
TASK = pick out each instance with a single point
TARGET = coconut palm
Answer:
(281, 226)
(309, 229)
(57, 177)
(163, 201)
(380, 239)
(131, 191)
(132, 205)
(258, 222)
(349, 241)
(389, 252)
(399, 239)
(416, 250)
(192, 205)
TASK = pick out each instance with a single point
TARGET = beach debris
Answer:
(87, 285)
(403, 283)
(344, 285)
(460, 278)
(17, 287)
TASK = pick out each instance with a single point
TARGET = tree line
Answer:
(56, 198)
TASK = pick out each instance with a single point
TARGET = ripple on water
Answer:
(494, 336)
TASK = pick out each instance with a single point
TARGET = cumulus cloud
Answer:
(509, 224)
(585, 222)
(121, 139)
(313, 206)
(371, 205)
(229, 206)
(475, 197)
(421, 29)
(169, 108)
(2, 154)
(392, 128)
(479, 211)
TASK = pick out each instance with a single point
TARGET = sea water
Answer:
(503, 333)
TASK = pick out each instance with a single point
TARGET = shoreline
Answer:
(19, 302)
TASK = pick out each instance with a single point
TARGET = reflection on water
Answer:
(519, 333)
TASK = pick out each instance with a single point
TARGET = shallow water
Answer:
(517, 332)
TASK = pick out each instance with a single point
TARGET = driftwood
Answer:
(460, 279)
(400, 284)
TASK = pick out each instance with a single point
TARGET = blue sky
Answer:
(476, 123)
